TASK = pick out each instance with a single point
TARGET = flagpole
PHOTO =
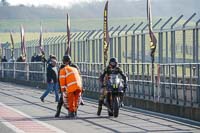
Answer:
(153, 42)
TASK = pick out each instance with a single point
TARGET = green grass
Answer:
(5, 37)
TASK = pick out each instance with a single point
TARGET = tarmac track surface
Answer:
(22, 111)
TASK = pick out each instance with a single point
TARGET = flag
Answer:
(12, 45)
(153, 40)
(23, 47)
(68, 51)
(105, 34)
(41, 41)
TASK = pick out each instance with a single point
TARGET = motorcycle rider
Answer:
(112, 68)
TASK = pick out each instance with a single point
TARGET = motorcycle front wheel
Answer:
(115, 106)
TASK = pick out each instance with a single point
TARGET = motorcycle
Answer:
(114, 95)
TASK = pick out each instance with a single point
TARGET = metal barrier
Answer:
(180, 83)
(175, 83)
(24, 71)
(130, 44)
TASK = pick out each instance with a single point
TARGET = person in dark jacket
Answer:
(34, 58)
(52, 81)
(4, 59)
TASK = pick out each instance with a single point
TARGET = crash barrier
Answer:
(175, 89)
(173, 83)
(27, 71)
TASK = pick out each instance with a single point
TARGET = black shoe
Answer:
(110, 113)
(75, 113)
(99, 111)
(82, 103)
(57, 114)
(42, 99)
(72, 115)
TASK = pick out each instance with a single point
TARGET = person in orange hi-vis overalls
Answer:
(71, 86)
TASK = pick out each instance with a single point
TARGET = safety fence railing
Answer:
(175, 83)
(178, 41)
(27, 71)
(180, 83)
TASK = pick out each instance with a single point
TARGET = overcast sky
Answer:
(66, 3)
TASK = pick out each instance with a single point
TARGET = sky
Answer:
(54, 3)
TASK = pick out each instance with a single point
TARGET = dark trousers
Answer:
(59, 106)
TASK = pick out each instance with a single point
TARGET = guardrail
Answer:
(174, 83)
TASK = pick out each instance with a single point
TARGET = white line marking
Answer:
(17, 130)
(27, 116)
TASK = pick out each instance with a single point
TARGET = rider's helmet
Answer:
(113, 62)
(67, 58)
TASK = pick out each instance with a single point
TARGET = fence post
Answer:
(27, 71)
(173, 41)
(184, 37)
(143, 56)
(60, 50)
(93, 45)
(97, 51)
(45, 72)
(133, 42)
(197, 60)
(54, 45)
(133, 48)
(46, 47)
(197, 41)
(113, 46)
(166, 47)
(143, 43)
(126, 41)
(157, 23)
(83, 46)
(49, 44)
(120, 45)
(75, 46)
(198, 88)
(79, 50)
(2, 70)
(184, 55)
(14, 70)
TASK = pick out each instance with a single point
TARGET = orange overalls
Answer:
(71, 85)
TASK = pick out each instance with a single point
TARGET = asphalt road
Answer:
(22, 111)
